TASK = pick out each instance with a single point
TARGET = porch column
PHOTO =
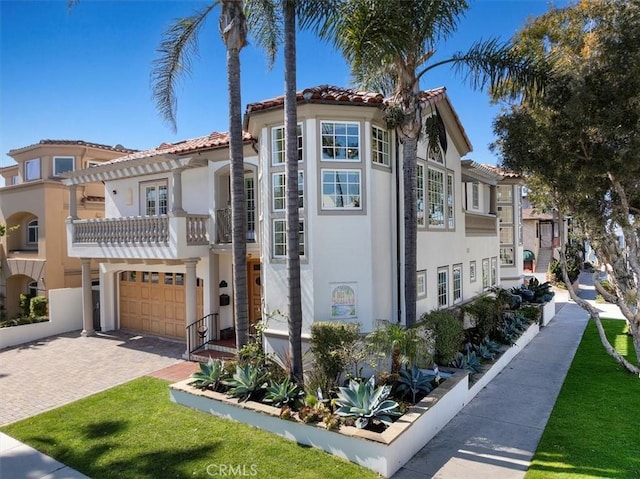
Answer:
(190, 296)
(176, 193)
(73, 203)
(87, 300)
(493, 200)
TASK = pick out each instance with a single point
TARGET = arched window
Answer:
(32, 289)
(32, 232)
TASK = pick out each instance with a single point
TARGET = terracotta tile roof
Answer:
(118, 148)
(322, 94)
(213, 141)
(502, 171)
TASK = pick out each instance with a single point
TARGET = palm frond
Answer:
(178, 46)
(264, 21)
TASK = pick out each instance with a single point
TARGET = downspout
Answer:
(398, 249)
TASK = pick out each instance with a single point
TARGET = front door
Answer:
(546, 235)
(254, 292)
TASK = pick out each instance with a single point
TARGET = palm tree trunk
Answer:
(409, 169)
(234, 31)
(291, 176)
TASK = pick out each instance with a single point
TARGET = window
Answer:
(506, 235)
(340, 141)
(475, 195)
(380, 146)
(155, 198)
(280, 238)
(420, 195)
(457, 283)
(507, 257)
(436, 195)
(472, 271)
(443, 284)
(250, 197)
(278, 146)
(62, 164)
(485, 273)
(341, 189)
(279, 191)
(15, 180)
(32, 289)
(421, 282)
(451, 220)
(32, 232)
(505, 214)
(494, 271)
(32, 169)
(505, 194)
(435, 154)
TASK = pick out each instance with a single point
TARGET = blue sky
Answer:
(84, 74)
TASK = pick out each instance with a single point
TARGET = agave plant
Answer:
(246, 382)
(414, 381)
(468, 361)
(209, 375)
(283, 393)
(365, 402)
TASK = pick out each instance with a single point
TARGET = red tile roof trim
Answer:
(213, 141)
(118, 148)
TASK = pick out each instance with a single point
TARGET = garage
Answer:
(154, 303)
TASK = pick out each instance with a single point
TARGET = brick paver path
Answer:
(45, 374)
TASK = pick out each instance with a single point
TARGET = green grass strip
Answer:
(135, 431)
(594, 431)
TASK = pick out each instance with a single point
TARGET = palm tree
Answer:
(178, 44)
(388, 44)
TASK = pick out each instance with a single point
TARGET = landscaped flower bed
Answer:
(397, 406)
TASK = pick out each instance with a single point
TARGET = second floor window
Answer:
(62, 164)
(436, 194)
(155, 196)
(380, 146)
(32, 232)
(278, 145)
(475, 195)
(340, 141)
(279, 191)
(420, 194)
(32, 169)
(341, 189)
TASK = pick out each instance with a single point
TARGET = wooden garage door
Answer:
(154, 303)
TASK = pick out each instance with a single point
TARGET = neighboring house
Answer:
(33, 257)
(541, 235)
(164, 245)
(513, 256)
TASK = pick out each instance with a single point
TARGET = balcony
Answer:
(480, 224)
(224, 227)
(143, 237)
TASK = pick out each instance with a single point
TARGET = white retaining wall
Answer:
(65, 314)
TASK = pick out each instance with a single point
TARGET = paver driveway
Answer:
(48, 373)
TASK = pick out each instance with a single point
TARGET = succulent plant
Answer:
(209, 375)
(468, 361)
(283, 393)
(414, 381)
(366, 402)
(246, 382)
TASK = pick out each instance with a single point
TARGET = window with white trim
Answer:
(436, 196)
(504, 193)
(380, 146)
(278, 144)
(32, 232)
(421, 284)
(280, 238)
(341, 189)
(279, 194)
(15, 180)
(443, 287)
(32, 169)
(475, 195)
(155, 198)
(435, 154)
(507, 256)
(506, 234)
(451, 220)
(457, 283)
(472, 271)
(340, 141)
(505, 214)
(485, 273)
(494, 271)
(420, 194)
(62, 164)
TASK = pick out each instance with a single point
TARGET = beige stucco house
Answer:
(33, 256)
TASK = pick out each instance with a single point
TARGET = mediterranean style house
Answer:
(34, 204)
(164, 250)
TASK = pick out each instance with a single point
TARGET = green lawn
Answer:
(594, 429)
(134, 431)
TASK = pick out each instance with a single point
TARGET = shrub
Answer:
(573, 253)
(25, 304)
(405, 346)
(448, 331)
(329, 345)
(485, 311)
(531, 313)
(38, 307)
